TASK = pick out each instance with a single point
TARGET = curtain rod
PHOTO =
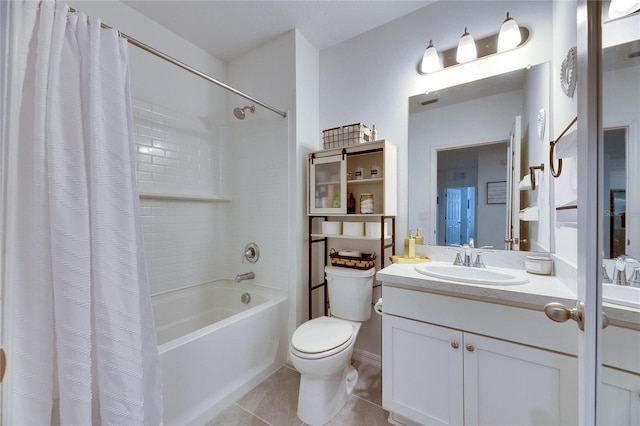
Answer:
(186, 67)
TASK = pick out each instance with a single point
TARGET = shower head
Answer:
(240, 114)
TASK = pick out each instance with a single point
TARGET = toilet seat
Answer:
(321, 337)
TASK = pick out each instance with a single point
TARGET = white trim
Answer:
(10, 20)
(372, 359)
(589, 131)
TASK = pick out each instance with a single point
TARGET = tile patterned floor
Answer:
(274, 402)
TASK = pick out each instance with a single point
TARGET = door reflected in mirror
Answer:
(469, 142)
(615, 188)
(472, 184)
(621, 121)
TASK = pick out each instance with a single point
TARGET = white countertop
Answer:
(539, 291)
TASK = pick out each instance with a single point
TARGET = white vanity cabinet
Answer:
(620, 397)
(454, 361)
(620, 390)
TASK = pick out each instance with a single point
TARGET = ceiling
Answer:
(228, 29)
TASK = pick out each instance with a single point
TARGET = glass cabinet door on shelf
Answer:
(328, 185)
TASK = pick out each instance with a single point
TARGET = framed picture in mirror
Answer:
(497, 192)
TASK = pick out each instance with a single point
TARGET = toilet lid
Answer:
(321, 335)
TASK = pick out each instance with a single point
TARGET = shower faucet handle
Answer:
(251, 252)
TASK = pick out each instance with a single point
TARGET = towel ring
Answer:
(554, 173)
(552, 147)
(532, 174)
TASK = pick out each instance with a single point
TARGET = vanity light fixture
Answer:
(620, 8)
(430, 60)
(511, 36)
(467, 50)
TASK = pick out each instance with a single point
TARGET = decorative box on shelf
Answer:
(363, 261)
(351, 134)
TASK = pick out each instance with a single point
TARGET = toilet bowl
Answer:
(327, 378)
(321, 348)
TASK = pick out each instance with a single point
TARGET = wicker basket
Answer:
(351, 134)
(362, 262)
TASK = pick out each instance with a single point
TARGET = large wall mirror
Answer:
(621, 123)
(472, 146)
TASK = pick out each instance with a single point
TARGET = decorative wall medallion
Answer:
(568, 72)
(541, 122)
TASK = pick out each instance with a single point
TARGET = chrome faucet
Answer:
(466, 253)
(634, 281)
(620, 269)
(458, 259)
(478, 263)
(245, 276)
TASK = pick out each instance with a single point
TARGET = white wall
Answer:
(491, 219)
(307, 135)
(539, 233)
(563, 110)
(369, 78)
(260, 160)
(621, 107)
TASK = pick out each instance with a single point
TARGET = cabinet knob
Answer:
(455, 345)
(470, 347)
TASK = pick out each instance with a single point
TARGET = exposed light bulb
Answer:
(509, 36)
(620, 8)
(430, 60)
(466, 48)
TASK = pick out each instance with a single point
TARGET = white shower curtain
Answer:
(83, 347)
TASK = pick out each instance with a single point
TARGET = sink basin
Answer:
(621, 295)
(487, 276)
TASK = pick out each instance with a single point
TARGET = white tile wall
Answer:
(178, 154)
(260, 205)
(186, 242)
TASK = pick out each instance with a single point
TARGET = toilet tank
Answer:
(350, 292)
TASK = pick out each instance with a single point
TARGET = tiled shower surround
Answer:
(180, 156)
(206, 191)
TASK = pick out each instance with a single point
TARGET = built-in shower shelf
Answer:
(184, 197)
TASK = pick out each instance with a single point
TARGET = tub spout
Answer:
(245, 276)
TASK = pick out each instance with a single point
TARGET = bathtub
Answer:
(214, 348)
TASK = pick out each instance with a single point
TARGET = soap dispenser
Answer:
(408, 243)
(419, 237)
(412, 247)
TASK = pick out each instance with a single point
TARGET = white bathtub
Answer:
(214, 348)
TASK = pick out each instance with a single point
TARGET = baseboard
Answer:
(398, 420)
(368, 357)
(358, 355)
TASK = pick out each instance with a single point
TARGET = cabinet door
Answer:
(328, 185)
(422, 371)
(511, 384)
(620, 402)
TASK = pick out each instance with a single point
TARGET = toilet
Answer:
(321, 348)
